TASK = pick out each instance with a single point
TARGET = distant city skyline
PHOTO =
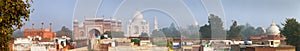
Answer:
(255, 12)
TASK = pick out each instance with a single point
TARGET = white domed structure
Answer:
(75, 20)
(137, 25)
(138, 16)
(271, 38)
(273, 30)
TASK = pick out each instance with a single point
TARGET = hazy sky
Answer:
(255, 12)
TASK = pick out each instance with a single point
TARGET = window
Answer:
(272, 42)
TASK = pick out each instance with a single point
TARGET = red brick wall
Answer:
(48, 35)
(43, 34)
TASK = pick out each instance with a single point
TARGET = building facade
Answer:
(137, 25)
(272, 37)
(93, 27)
(44, 33)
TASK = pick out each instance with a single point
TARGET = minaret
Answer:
(155, 23)
(32, 26)
(42, 24)
(50, 27)
(75, 28)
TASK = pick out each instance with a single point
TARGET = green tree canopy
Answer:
(136, 41)
(108, 33)
(248, 30)
(171, 31)
(64, 32)
(157, 34)
(259, 31)
(113, 34)
(144, 35)
(234, 32)
(205, 31)
(214, 29)
(216, 25)
(13, 14)
(291, 30)
(192, 32)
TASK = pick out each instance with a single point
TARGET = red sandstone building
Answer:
(44, 33)
(92, 27)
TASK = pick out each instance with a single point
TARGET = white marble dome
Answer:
(138, 16)
(273, 30)
(137, 25)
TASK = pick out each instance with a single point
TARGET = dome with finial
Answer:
(138, 16)
(273, 29)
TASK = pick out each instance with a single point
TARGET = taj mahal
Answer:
(138, 25)
(93, 27)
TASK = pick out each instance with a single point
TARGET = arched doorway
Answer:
(94, 33)
(81, 33)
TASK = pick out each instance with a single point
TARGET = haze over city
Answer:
(149, 25)
(255, 12)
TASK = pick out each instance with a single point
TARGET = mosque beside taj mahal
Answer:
(93, 27)
(90, 29)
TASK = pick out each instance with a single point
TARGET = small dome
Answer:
(75, 20)
(273, 30)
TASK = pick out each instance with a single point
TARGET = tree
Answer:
(144, 35)
(158, 38)
(108, 33)
(13, 14)
(234, 32)
(216, 25)
(171, 31)
(205, 31)
(174, 32)
(165, 31)
(192, 32)
(170, 44)
(291, 30)
(113, 34)
(136, 41)
(157, 34)
(64, 32)
(248, 30)
(259, 31)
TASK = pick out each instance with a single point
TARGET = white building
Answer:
(137, 25)
(274, 37)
